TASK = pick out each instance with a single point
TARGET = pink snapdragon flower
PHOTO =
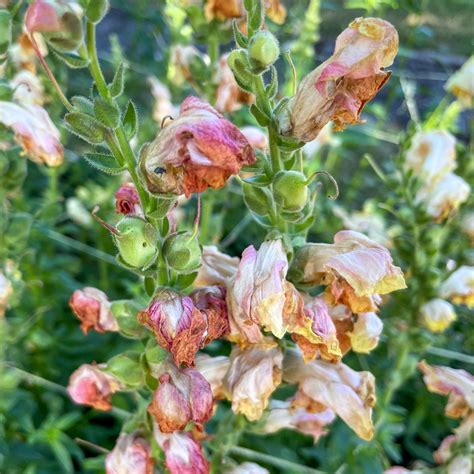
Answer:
(127, 201)
(339, 88)
(197, 150)
(92, 307)
(131, 454)
(89, 385)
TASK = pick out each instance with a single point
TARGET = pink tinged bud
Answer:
(256, 137)
(42, 17)
(431, 155)
(437, 315)
(127, 201)
(350, 394)
(456, 383)
(183, 455)
(459, 287)
(216, 268)
(253, 375)
(89, 385)
(340, 87)
(366, 332)
(183, 396)
(199, 149)
(92, 307)
(34, 131)
(315, 332)
(131, 454)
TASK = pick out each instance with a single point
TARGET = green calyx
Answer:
(290, 190)
(182, 252)
(263, 51)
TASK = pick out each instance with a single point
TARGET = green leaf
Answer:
(5, 31)
(106, 113)
(257, 199)
(83, 104)
(63, 457)
(184, 281)
(260, 116)
(85, 127)
(130, 120)
(116, 87)
(260, 181)
(71, 60)
(306, 224)
(105, 163)
(240, 39)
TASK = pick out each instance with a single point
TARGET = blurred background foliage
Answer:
(53, 246)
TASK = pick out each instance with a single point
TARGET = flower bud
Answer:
(92, 307)
(136, 241)
(182, 252)
(57, 22)
(131, 454)
(89, 385)
(437, 315)
(366, 332)
(126, 368)
(183, 396)
(290, 190)
(263, 50)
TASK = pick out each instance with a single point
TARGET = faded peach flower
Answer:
(229, 96)
(256, 137)
(461, 435)
(183, 396)
(339, 88)
(356, 269)
(92, 307)
(131, 454)
(431, 155)
(22, 53)
(34, 131)
(183, 326)
(183, 454)
(321, 385)
(253, 375)
(459, 287)
(456, 383)
(366, 332)
(276, 11)
(282, 414)
(213, 370)
(227, 9)
(216, 267)
(181, 58)
(6, 292)
(437, 315)
(163, 106)
(257, 293)
(199, 149)
(315, 332)
(28, 88)
(444, 197)
(461, 83)
(89, 385)
(127, 201)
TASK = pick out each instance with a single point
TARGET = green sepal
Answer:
(184, 281)
(83, 104)
(96, 10)
(130, 120)
(262, 119)
(256, 199)
(272, 88)
(74, 61)
(259, 181)
(126, 367)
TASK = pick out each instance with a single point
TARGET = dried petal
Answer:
(366, 332)
(213, 370)
(217, 267)
(130, 454)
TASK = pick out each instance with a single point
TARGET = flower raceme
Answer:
(339, 88)
(199, 149)
(131, 453)
(92, 307)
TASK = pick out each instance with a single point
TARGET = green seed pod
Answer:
(125, 313)
(290, 190)
(127, 368)
(182, 252)
(136, 241)
(263, 50)
(96, 10)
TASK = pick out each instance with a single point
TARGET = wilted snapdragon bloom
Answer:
(437, 315)
(197, 150)
(366, 332)
(89, 385)
(28, 88)
(461, 83)
(216, 267)
(227, 9)
(163, 106)
(339, 88)
(256, 137)
(131, 454)
(459, 287)
(213, 369)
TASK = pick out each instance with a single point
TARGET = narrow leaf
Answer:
(116, 87)
(130, 120)
(71, 60)
(105, 163)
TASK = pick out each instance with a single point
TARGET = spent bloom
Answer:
(356, 269)
(366, 332)
(180, 64)
(127, 201)
(253, 375)
(459, 287)
(227, 9)
(92, 307)
(131, 453)
(444, 197)
(321, 385)
(213, 370)
(28, 88)
(34, 131)
(183, 326)
(468, 226)
(182, 396)
(199, 149)
(163, 105)
(339, 88)
(6, 292)
(183, 454)
(256, 137)
(456, 383)
(216, 268)
(89, 385)
(431, 155)
(437, 315)
(461, 83)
